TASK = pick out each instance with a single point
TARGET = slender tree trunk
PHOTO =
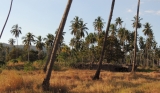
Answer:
(96, 76)
(17, 48)
(28, 52)
(45, 84)
(6, 19)
(135, 38)
(147, 59)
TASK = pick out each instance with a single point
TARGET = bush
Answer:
(28, 66)
(14, 60)
(56, 68)
(2, 63)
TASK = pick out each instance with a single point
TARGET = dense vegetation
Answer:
(86, 47)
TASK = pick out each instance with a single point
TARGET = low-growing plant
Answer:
(28, 66)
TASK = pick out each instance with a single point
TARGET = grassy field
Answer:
(79, 81)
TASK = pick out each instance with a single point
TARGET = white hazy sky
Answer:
(41, 17)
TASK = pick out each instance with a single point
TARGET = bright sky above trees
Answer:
(41, 17)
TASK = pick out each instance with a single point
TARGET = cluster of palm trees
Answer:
(116, 44)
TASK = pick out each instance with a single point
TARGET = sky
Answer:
(41, 17)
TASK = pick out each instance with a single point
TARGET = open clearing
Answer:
(80, 81)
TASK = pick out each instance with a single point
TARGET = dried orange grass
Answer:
(79, 81)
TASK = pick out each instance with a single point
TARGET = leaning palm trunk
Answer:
(6, 19)
(45, 84)
(96, 76)
(135, 38)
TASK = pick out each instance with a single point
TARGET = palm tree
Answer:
(75, 25)
(6, 19)
(136, 24)
(78, 27)
(16, 30)
(119, 22)
(39, 45)
(142, 47)
(135, 20)
(11, 41)
(45, 84)
(49, 40)
(82, 29)
(28, 40)
(113, 30)
(62, 37)
(98, 24)
(96, 76)
(147, 30)
(91, 38)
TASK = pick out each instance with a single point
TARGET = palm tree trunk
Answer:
(96, 76)
(28, 52)
(45, 84)
(17, 48)
(6, 19)
(147, 59)
(135, 38)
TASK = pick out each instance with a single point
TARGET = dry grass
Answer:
(79, 81)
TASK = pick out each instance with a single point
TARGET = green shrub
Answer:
(56, 67)
(14, 60)
(28, 66)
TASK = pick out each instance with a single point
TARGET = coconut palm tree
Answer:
(11, 41)
(75, 25)
(49, 40)
(96, 76)
(147, 30)
(98, 24)
(136, 24)
(45, 84)
(142, 47)
(16, 31)
(39, 45)
(91, 38)
(78, 28)
(82, 29)
(27, 41)
(113, 30)
(119, 22)
(6, 19)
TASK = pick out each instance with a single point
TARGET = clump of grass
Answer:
(10, 81)
(79, 81)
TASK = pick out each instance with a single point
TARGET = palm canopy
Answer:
(141, 42)
(82, 29)
(39, 43)
(11, 41)
(78, 28)
(134, 22)
(113, 30)
(123, 34)
(16, 30)
(91, 38)
(28, 39)
(147, 30)
(98, 24)
(75, 25)
(119, 21)
(49, 39)
(63, 33)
